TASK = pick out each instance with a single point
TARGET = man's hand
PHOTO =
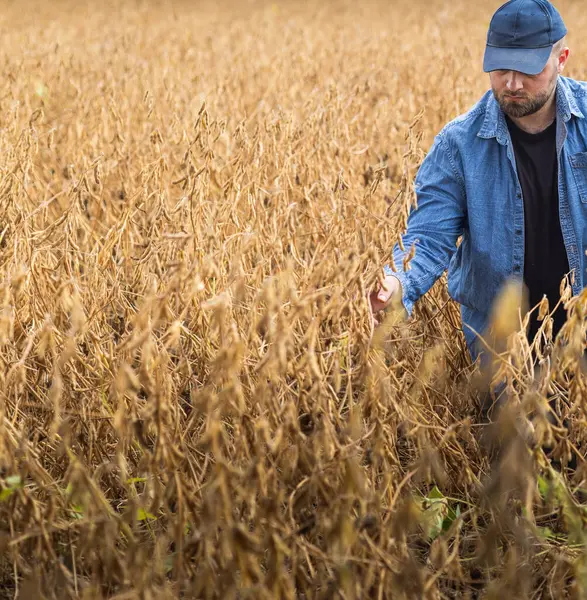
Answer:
(381, 298)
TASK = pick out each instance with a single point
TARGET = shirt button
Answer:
(516, 268)
(518, 231)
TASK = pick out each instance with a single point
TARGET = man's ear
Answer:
(562, 61)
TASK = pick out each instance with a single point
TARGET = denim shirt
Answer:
(468, 186)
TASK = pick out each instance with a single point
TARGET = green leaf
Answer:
(543, 487)
(435, 512)
(132, 480)
(143, 515)
(13, 481)
(545, 532)
(435, 494)
(5, 494)
(452, 514)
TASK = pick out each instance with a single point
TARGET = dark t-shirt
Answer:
(545, 257)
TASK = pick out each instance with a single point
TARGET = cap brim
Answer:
(529, 61)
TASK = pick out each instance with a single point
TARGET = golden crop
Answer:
(195, 199)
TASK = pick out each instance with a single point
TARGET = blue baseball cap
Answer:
(521, 36)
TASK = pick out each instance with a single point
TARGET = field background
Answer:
(195, 199)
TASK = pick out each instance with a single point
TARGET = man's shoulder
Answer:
(575, 85)
(468, 123)
(577, 89)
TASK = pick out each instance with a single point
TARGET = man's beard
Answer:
(522, 108)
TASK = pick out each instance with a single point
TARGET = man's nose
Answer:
(513, 81)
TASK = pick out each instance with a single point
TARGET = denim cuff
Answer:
(407, 291)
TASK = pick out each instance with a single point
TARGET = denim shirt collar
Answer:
(495, 126)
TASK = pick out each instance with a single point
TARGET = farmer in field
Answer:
(509, 176)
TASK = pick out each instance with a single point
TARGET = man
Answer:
(509, 176)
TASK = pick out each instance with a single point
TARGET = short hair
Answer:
(558, 46)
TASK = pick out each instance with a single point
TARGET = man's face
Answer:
(521, 95)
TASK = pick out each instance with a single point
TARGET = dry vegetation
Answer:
(194, 202)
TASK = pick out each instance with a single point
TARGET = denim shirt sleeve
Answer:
(434, 226)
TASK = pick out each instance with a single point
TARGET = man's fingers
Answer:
(379, 299)
(376, 303)
(388, 288)
(383, 295)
